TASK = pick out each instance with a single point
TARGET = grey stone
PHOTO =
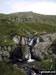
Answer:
(23, 41)
(6, 54)
(16, 40)
(9, 48)
(5, 47)
(41, 49)
(25, 53)
(48, 37)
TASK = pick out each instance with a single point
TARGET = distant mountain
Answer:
(30, 17)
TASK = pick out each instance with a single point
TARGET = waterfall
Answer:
(30, 60)
(32, 42)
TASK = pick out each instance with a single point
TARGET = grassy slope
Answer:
(49, 19)
(9, 29)
(8, 69)
(35, 27)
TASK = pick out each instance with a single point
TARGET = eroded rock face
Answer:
(24, 40)
(25, 52)
(41, 49)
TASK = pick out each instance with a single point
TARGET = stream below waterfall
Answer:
(28, 66)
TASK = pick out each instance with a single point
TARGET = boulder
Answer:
(48, 37)
(16, 39)
(40, 50)
(5, 54)
(24, 40)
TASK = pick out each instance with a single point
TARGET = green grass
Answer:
(8, 29)
(8, 69)
(48, 19)
(36, 27)
(46, 65)
(31, 16)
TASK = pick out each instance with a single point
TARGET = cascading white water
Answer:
(29, 53)
(30, 60)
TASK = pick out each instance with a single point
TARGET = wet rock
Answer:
(25, 53)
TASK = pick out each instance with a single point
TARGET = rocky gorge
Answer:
(34, 48)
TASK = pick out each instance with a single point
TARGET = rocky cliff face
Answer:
(39, 51)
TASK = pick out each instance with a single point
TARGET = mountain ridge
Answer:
(30, 17)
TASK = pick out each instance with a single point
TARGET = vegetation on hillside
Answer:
(36, 27)
(9, 69)
(8, 29)
(47, 65)
(30, 17)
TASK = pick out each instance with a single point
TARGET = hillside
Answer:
(42, 49)
(24, 24)
(33, 17)
(34, 27)
(8, 29)
(30, 17)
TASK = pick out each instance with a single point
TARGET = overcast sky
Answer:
(39, 6)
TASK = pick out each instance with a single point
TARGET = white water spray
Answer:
(29, 53)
